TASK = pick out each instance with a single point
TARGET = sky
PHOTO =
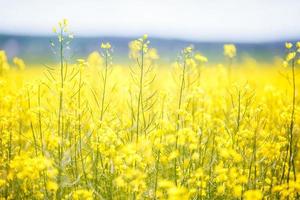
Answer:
(199, 20)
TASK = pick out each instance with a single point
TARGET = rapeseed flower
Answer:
(230, 50)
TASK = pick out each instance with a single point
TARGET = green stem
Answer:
(140, 94)
(178, 117)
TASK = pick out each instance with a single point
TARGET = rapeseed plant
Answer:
(4, 65)
(94, 130)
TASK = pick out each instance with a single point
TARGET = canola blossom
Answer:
(183, 130)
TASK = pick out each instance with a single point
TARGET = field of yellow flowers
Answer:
(188, 130)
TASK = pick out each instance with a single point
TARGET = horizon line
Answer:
(155, 37)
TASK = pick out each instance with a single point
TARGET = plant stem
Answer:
(182, 85)
(140, 94)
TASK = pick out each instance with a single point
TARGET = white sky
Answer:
(204, 20)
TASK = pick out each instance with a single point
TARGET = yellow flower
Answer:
(120, 182)
(253, 195)
(134, 49)
(105, 45)
(235, 156)
(4, 66)
(63, 26)
(165, 183)
(190, 62)
(3, 57)
(138, 46)
(52, 186)
(195, 156)
(288, 45)
(65, 22)
(2, 183)
(178, 193)
(243, 179)
(173, 155)
(188, 49)
(220, 189)
(202, 59)
(81, 62)
(94, 59)
(230, 50)
(145, 36)
(19, 63)
(237, 190)
(152, 54)
(290, 56)
(82, 194)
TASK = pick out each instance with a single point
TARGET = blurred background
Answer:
(259, 28)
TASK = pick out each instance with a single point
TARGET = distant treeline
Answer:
(36, 49)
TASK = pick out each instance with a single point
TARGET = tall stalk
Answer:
(182, 84)
(106, 47)
(291, 57)
(186, 54)
(138, 51)
(31, 125)
(141, 65)
(60, 118)
(64, 38)
(230, 53)
(104, 86)
(79, 116)
(291, 162)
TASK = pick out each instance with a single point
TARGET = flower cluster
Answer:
(230, 50)
(292, 55)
